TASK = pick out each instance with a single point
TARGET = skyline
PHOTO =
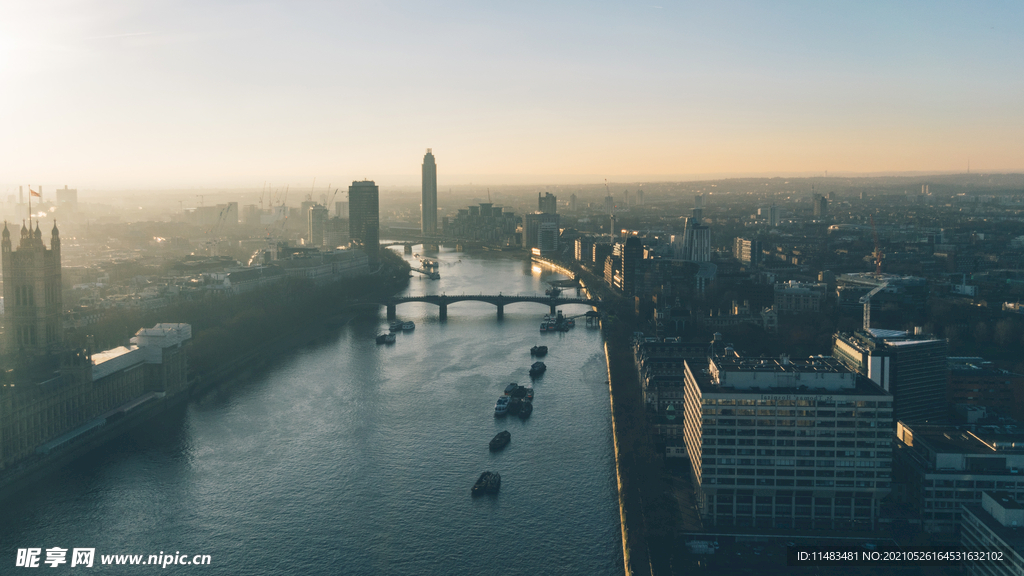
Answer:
(109, 94)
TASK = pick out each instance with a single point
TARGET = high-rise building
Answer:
(632, 255)
(532, 226)
(67, 199)
(548, 204)
(625, 194)
(32, 293)
(640, 197)
(428, 206)
(699, 243)
(572, 203)
(316, 223)
(820, 206)
(801, 444)
(913, 369)
(773, 216)
(336, 233)
(698, 201)
(609, 203)
(750, 252)
(364, 216)
(341, 210)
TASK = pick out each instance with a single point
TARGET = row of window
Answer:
(707, 472)
(799, 463)
(818, 453)
(800, 443)
(799, 423)
(802, 433)
(808, 403)
(997, 484)
(706, 410)
(818, 483)
(799, 500)
(820, 511)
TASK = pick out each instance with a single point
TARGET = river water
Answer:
(348, 457)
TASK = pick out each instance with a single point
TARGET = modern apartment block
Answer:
(997, 523)
(789, 444)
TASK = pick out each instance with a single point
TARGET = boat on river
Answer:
(410, 325)
(487, 483)
(500, 440)
(501, 406)
(396, 326)
(537, 369)
(538, 350)
(526, 410)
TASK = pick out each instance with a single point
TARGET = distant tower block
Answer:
(428, 203)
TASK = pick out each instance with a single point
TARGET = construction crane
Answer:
(866, 301)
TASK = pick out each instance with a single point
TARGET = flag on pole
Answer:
(34, 193)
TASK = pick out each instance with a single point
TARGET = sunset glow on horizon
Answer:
(109, 92)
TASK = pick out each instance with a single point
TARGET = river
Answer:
(348, 457)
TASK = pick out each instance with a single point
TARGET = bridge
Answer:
(500, 300)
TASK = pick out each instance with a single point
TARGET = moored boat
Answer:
(501, 406)
(389, 338)
(529, 392)
(537, 369)
(526, 410)
(515, 405)
(383, 338)
(500, 440)
(487, 483)
(396, 326)
(538, 350)
(410, 325)
(511, 388)
(544, 327)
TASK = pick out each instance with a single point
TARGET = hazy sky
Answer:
(181, 92)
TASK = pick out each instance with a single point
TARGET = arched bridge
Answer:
(500, 300)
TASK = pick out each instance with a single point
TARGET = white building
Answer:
(802, 444)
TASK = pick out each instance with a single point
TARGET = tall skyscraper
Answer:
(640, 197)
(428, 204)
(541, 230)
(316, 221)
(548, 203)
(773, 216)
(572, 203)
(820, 207)
(364, 216)
(32, 293)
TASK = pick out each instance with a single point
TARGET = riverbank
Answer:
(234, 365)
(649, 518)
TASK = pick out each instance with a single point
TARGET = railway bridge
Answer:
(499, 300)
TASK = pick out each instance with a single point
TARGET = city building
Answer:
(609, 203)
(316, 224)
(532, 230)
(749, 252)
(911, 368)
(789, 444)
(699, 243)
(773, 216)
(799, 297)
(91, 392)
(945, 468)
(572, 203)
(32, 294)
(67, 198)
(428, 205)
(996, 524)
(820, 207)
(484, 223)
(548, 203)
(364, 216)
(975, 382)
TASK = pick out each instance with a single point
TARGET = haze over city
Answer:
(115, 94)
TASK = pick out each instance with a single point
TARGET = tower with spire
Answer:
(33, 305)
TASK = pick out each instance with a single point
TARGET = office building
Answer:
(945, 468)
(699, 243)
(572, 203)
(640, 197)
(997, 524)
(788, 444)
(632, 259)
(911, 368)
(428, 205)
(820, 207)
(548, 204)
(341, 210)
(773, 216)
(749, 252)
(609, 203)
(532, 225)
(364, 216)
(316, 225)
(975, 382)
(32, 293)
(799, 297)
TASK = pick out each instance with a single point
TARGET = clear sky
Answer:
(214, 92)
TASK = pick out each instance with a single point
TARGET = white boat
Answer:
(410, 325)
(501, 406)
